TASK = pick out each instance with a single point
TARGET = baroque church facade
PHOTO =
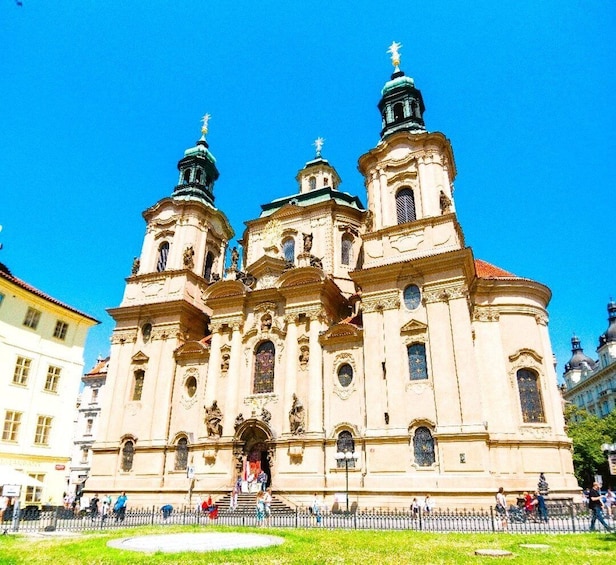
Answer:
(341, 328)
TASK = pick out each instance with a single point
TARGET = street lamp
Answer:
(346, 456)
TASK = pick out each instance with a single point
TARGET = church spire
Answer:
(401, 104)
(198, 170)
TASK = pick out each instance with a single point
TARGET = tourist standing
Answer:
(94, 506)
(428, 505)
(260, 507)
(316, 508)
(542, 509)
(610, 501)
(415, 508)
(119, 507)
(501, 507)
(596, 507)
(267, 502)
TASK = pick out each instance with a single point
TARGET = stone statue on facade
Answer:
(542, 485)
(188, 260)
(239, 420)
(235, 257)
(266, 415)
(307, 242)
(136, 264)
(213, 420)
(297, 416)
(444, 202)
(224, 365)
(304, 356)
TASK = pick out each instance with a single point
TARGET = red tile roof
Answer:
(486, 270)
(100, 367)
(7, 275)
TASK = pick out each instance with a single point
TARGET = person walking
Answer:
(94, 506)
(119, 508)
(267, 503)
(542, 509)
(315, 509)
(596, 507)
(415, 508)
(501, 507)
(610, 502)
(260, 507)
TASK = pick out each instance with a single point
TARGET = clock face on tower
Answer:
(412, 297)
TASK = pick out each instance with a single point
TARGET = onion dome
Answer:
(578, 361)
(198, 170)
(401, 105)
(610, 335)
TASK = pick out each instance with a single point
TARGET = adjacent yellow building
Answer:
(41, 364)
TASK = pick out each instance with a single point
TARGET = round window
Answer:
(146, 332)
(191, 386)
(345, 375)
(412, 296)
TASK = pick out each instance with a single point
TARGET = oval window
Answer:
(146, 332)
(412, 296)
(345, 375)
(191, 386)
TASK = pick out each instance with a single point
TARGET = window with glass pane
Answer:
(12, 421)
(94, 397)
(35, 494)
(60, 330)
(207, 270)
(264, 368)
(347, 249)
(405, 206)
(32, 318)
(89, 425)
(139, 377)
(412, 297)
(181, 454)
(128, 453)
(43, 429)
(22, 370)
(530, 396)
(53, 378)
(423, 447)
(418, 366)
(345, 444)
(288, 250)
(85, 451)
(345, 375)
(163, 253)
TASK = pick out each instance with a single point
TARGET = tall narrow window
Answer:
(345, 444)
(186, 177)
(418, 366)
(181, 454)
(128, 453)
(405, 206)
(207, 270)
(139, 377)
(53, 378)
(347, 249)
(32, 318)
(398, 112)
(312, 183)
(12, 421)
(89, 424)
(22, 370)
(163, 253)
(265, 359)
(34, 495)
(530, 396)
(288, 250)
(94, 396)
(60, 330)
(43, 429)
(423, 447)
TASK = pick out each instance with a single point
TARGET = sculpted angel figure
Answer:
(213, 420)
(297, 416)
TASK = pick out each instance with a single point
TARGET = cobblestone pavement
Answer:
(214, 541)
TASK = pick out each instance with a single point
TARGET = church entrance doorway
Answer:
(255, 462)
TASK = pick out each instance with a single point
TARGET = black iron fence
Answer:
(568, 519)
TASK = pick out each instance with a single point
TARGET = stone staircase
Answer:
(247, 503)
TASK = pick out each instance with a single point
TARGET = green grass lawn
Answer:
(317, 546)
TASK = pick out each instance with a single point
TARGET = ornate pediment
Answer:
(223, 289)
(525, 353)
(342, 332)
(191, 350)
(140, 357)
(301, 276)
(414, 327)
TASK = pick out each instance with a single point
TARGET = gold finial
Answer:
(318, 143)
(395, 54)
(204, 121)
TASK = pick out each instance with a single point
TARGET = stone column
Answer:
(234, 390)
(290, 378)
(384, 203)
(213, 369)
(315, 369)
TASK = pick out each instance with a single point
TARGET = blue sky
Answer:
(100, 99)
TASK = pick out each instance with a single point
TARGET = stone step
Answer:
(246, 504)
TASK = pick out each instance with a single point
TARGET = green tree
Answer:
(589, 433)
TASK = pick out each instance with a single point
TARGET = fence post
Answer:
(296, 516)
(153, 510)
(492, 519)
(572, 512)
(420, 515)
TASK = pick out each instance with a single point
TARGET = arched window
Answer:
(181, 454)
(288, 250)
(207, 270)
(198, 175)
(345, 375)
(128, 453)
(265, 358)
(345, 444)
(530, 396)
(423, 447)
(347, 249)
(312, 183)
(186, 177)
(139, 377)
(418, 367)
(398, 112)
(163, 253)
(405, 206)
